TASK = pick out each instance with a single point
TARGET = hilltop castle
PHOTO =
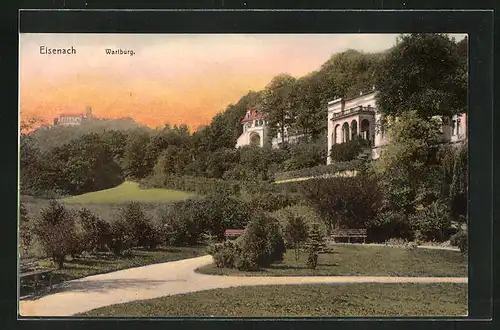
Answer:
(347, 119)
(73, 119)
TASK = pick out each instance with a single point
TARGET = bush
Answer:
(315, 244)
(319, 170)
(55, 230)
(348, 151)
(198, 185)
(273, 201)
(225, 254)
(344, 202)
(138, 226)
(305, 155)
(432, 221)
(188, 221)
(390, 224)
(121, 238)
(262, 242)
(96, 233)
(296, 233)
(461, 240)
(24, 229)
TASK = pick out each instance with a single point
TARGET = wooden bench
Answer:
(349, 233)
(233, 233)
(30, 273)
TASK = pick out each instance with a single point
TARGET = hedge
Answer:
(319, 170)
(198, 185)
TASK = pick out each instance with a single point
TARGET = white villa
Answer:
(347, 118)
(255, 131)
(358, 116)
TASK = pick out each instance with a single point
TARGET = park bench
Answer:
(30, 276)
(233, 233)
(349, 233)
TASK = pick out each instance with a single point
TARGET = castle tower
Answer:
(89, 112)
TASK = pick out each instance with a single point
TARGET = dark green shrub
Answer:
(121, 238)
(343, 152)
(188, 221)
(56, 231)
(305, 155)
(263, 242)
(24, 229)
(315, 244)
(245, 262)
(225, 254)
(296, 233)
(460, 240)
(390, 224)
(273, 201)
(343, 202)
(96, 233)
(139, 226)
(432, 221)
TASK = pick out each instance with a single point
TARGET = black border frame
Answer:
(479, 26)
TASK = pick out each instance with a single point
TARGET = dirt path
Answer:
(171, 278)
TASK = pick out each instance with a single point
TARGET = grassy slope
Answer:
(363, 260)
(304, 300)
(127, 192)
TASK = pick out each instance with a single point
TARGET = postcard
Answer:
(243, 175)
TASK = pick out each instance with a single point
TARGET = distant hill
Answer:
(49, 137)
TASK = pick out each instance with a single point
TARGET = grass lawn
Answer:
(363, 260)
(128, 192)
(107, 262)
(304, 300)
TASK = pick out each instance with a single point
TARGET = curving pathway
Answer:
(172, 278)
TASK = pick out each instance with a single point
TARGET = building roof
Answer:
(254, 114)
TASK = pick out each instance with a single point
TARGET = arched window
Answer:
(354, 128)
(345, 132)
(336, 134)
(365, 129)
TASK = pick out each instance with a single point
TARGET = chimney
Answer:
(89, 112)
(342, 105)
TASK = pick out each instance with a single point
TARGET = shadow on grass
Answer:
(102, 286)
(281, 266)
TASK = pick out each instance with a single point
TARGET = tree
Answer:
(344, 202)
(96, 232)
(423, 72)
(84, 164)
(296, 233)
(138, 226)
(315, 244)
(135, 161)
(459, 184)
(405, 171)
(262, 243)
(55, 229)
(277, 104)
(24, 229)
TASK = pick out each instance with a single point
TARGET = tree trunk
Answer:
(59, 261)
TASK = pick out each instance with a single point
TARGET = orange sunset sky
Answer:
(171, 78)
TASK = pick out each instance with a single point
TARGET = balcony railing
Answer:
(352, 111)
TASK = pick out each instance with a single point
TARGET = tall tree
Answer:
(423, 72)
(406, 176)
(135, 161)
(277, 103)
